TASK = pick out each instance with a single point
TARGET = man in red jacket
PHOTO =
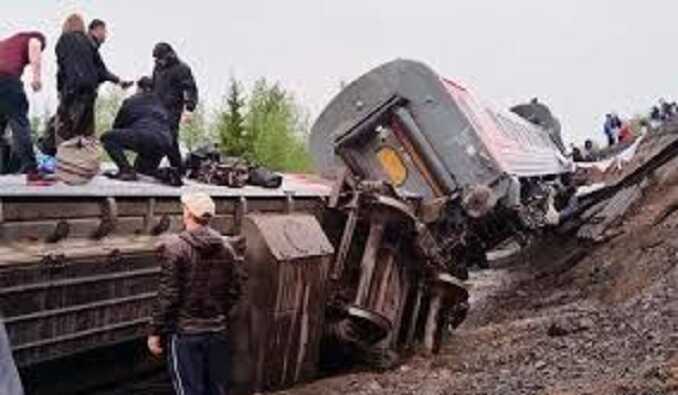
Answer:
(17, 52)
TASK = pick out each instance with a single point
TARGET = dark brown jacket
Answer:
(199, 284)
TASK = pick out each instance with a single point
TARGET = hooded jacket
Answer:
(173, 82)
(199, 284)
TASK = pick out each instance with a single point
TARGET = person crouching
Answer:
(141, 126)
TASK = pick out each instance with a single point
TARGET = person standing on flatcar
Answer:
(17, 52)
(174, 84)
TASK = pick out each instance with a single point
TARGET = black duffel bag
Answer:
(263, 177)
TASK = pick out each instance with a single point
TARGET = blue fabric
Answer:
(199, 364)
(46, 164)
(10, 383)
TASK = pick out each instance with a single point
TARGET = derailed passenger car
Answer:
(429, 178)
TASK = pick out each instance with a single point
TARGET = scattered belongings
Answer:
(207, 165)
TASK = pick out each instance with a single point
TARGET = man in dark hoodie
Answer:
(174, 83)
(141, 126)
(199, 285)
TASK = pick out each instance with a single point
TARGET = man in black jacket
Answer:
(174, 83)
(199, 286)
(80, 72)
(98, 33)
(141, 126)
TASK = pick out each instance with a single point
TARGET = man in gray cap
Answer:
(199, 285)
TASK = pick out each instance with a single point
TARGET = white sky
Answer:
(583, 58)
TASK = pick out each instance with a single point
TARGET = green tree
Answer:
(106, 108)
(196, 131)
(39, 124)
(278, 128)
(36, 126)
(230, 123)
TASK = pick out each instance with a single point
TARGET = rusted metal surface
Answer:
(288, 261)
(76, 304)
(79, 273)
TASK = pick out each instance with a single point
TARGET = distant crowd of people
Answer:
(620, 133)
(662, 112)
(147, 123)
(617, 132)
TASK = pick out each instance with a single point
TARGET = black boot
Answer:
(122, 175)
(127, 175)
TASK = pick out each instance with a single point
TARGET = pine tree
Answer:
(195, 132)
(231, 123)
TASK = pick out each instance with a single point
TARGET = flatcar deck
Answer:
(300, 185)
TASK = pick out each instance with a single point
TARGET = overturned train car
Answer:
(428, 178)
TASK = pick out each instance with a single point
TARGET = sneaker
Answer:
(110, 174)
(36, 178)
(175, 177)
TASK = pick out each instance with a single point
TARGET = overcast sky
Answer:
(583, 58)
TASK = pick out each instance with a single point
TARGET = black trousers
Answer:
(150, 148)
(199, 364)
(75, 115)
(174, 156)
(14, 110)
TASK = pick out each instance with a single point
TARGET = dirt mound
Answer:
(566, 318)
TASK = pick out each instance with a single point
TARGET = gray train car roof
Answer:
(439, 118)
(302, 186)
